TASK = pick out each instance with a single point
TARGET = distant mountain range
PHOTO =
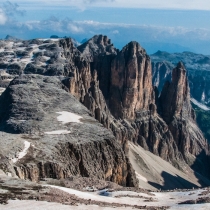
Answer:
(198, 70)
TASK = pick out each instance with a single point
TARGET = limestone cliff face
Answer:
(131, 82)
(197, 66)
(175, 96)
(177, 112)
(77, 70)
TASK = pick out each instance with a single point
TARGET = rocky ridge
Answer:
(58, 146)
(116, 86)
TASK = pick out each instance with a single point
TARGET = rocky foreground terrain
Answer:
(92, 111)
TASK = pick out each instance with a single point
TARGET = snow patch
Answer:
(58, 132)
(200, 105)
(68, 117)
(54, 40)
(26, 60)
(23, 153)
(21, 48)
(44, 205)
(170, 199)
(2, 90)
(203, 96)
(4, 73)
(83, 195)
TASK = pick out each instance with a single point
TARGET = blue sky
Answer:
(172, 26)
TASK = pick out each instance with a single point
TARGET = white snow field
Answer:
(23, 152)
(43, 205)
(58, 132)
(170, 199)
(68, 117)
(2, 90)
(200, 105)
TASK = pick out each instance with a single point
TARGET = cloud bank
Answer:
(3, 17)
(195, 39)
(152, 37)
(8, 11)
(172, 4)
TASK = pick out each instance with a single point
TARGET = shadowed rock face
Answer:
(161, 72)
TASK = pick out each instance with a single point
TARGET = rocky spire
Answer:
(177, 112)
(175, 96)
(131, 82)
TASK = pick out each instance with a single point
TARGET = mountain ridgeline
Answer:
(116, 89)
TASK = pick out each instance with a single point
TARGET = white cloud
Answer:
(8, 10)
(74, 28)
(130, 31)
(172, 4)
(3, 17)
(12, 9)
(166, 4)
(120, 33)
(115, 32)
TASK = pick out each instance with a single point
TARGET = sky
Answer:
(172, 26)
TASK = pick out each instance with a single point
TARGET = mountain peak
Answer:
(12, 38)
(99, 44)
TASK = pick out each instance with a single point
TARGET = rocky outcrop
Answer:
(175, 96)
(99, 44)
(130, 97)
(131, 85)
(58, 147)
(176, 110)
